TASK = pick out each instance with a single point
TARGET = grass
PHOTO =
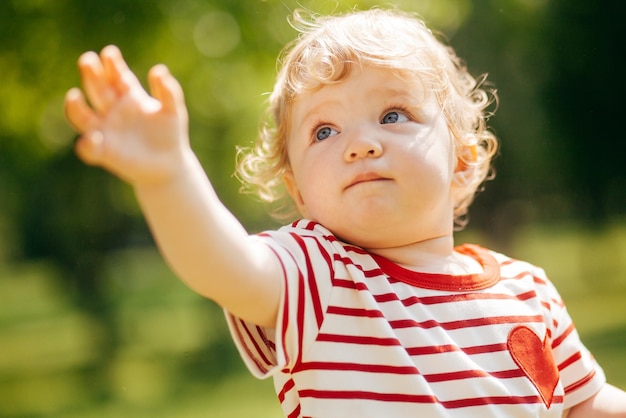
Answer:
(173, 357)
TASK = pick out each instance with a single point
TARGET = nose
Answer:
(362, 145)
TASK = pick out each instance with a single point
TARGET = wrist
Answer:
(183, 171)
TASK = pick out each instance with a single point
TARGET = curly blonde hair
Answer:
(326, 50)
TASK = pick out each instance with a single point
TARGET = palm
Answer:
(142, 139)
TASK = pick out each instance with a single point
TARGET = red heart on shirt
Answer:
(535, 359)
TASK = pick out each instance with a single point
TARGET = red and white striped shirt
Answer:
(359, 336)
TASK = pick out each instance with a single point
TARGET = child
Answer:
(363, 307)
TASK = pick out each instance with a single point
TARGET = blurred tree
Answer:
(504, 40)
(59, 210)
(584, 95)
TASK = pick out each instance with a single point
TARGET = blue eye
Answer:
(324, 133)
(394, 117)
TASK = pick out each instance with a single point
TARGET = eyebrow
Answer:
(402, 94)
(384, 93)
(316, 110)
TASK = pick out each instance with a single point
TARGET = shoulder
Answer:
(511, 267)
(525, 276)
(305, 235)
(301, 228)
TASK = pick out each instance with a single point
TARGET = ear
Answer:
(465, 169)
(468, 154)
(292, 188)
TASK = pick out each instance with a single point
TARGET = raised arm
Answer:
(143, 140)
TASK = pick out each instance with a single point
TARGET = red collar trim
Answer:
(448, 282)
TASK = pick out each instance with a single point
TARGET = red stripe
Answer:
(531, 294)
(354, 249)
(389, 297)
(466, 323)
(422, 399)
(295, 413)
(300, 315)
(359, 312)
(508, 262)
(408, 323)
(523, 274)
(348, 284)
(488, 348)
(238, 325)
(358, 339)
(407, 370)
(357, 394)
(570, 360)
(435, 349)
(310, 277)
(497, 400)
(310, 225)
(477, 322)
(438, 349)
(582, 382)
(413, 351)
(289, 384)
(375, 272)
(269, 344)
(471, 374)
(558, 340)
(285, 324)
(433, 300)
(319, 314)
(357, 367)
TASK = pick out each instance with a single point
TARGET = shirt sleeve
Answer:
(307, 276)
(581, 375)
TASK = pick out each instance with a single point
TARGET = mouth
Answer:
(366, 178)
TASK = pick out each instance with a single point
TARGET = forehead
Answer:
(362, 84)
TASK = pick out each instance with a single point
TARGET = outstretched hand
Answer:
(143, 139)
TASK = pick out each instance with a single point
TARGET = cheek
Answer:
(312, 187)
(318, 195)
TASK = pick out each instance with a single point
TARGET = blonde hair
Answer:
(324, 53)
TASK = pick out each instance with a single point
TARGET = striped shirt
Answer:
(360, 336)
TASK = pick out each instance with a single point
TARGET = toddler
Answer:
(363, 307)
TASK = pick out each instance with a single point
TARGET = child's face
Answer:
(372, 160)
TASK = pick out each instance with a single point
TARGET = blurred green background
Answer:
(93, 324)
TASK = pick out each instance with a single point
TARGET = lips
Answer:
(366, 178)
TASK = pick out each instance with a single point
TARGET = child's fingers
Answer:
(166, 90)
(89, 147)
(97, 87)
(117, 71)
(78, 112)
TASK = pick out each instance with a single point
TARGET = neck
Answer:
(420, 253)
(434, 255)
